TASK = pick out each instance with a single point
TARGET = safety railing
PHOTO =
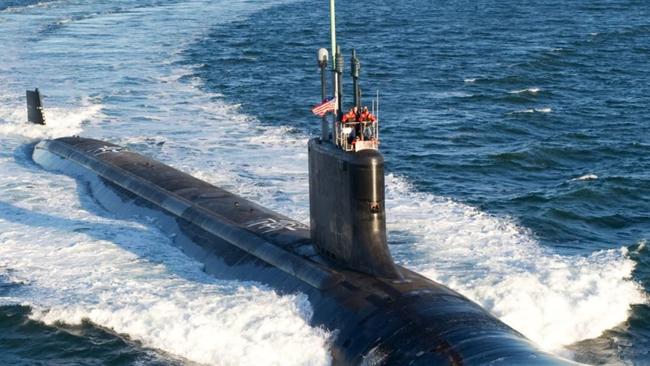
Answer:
(357, 136)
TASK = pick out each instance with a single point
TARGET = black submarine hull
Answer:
(376, 321)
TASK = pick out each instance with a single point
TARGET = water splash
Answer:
(585, 177)
(554, 300)
(59, 121)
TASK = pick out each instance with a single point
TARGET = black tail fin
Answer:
(35, 107)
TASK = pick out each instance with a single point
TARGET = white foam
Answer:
(533, 110)
(532, 91)
(554, 300)
(642, 245)
(58, 121)
(15, 9)
(449, 94)
(128, 277)
(586, 177)
(470, 80)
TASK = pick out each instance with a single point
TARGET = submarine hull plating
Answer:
(376, 321)
(346, 208)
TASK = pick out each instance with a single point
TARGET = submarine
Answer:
(380, 313)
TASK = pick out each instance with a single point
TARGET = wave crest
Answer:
(553, 299)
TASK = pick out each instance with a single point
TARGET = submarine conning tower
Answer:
(346, 177)
(346, 206)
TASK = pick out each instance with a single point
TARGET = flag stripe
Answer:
(326, 106)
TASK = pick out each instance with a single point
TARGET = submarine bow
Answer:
(378, 317)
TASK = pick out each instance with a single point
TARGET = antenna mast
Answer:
(333, 31)
(335, 62)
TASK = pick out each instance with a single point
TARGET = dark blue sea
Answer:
(517, 144)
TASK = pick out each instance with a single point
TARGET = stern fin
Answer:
(35, 107)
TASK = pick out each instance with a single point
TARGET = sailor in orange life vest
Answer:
(367, 118)
(352, 116)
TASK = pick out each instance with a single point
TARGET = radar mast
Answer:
(358, 128)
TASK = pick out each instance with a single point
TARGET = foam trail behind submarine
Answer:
(382, 313)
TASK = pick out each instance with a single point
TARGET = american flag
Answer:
(327, 105)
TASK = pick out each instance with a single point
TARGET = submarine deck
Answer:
(408, 321)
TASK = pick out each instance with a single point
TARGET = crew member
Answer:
(367, 118)
(351, 116)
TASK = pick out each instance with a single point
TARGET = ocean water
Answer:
(515, 134)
